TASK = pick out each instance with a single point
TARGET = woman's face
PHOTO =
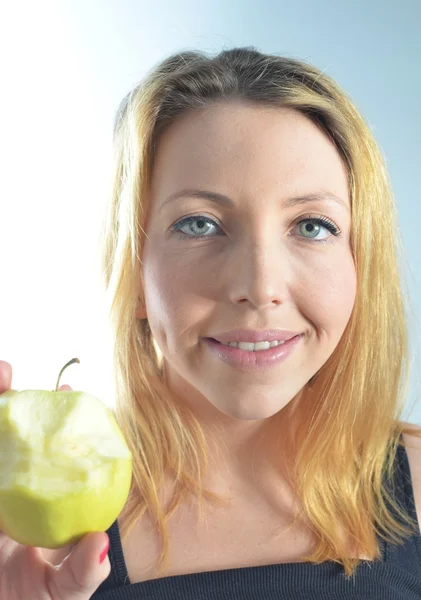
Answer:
(256, 263)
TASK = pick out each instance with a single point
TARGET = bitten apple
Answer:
(65, 467)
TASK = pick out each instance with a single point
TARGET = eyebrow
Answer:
(223, 200)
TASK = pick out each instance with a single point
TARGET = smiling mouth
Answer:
(249, 356)
(254, 346)
(245, 345)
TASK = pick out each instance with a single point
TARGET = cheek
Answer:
(161, 290)
(175, 296)
(330, 296)
(175, 276)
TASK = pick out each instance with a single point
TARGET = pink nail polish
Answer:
(104, 552)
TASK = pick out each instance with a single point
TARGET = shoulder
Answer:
(412, 443)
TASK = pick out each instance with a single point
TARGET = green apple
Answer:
(65, 467)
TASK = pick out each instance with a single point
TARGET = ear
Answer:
(141, 313)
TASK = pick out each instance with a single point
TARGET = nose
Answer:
(259, 276)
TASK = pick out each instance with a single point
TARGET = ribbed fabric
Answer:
(394, 576)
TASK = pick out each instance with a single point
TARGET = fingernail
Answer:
(104, 552)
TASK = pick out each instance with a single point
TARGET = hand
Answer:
(26, 575)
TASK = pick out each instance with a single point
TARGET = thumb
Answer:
(80, 573)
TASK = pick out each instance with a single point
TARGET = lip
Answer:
(252, 335)
(250, 361)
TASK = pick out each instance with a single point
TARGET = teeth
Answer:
(249, 346)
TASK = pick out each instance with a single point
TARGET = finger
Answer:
(65, 388)
(5, 376)
(80, 573)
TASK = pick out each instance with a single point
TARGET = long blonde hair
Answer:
(351, 428)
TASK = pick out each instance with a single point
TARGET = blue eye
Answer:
(205, 225)
(320, 222)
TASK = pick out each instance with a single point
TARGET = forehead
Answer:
(246, 148)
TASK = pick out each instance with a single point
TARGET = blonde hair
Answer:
(350, 430)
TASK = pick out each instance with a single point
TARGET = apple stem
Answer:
(74, 360)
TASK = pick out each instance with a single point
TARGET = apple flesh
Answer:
(65, 467)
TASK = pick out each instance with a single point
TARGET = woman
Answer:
(261, 350)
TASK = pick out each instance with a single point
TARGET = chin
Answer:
(251, 413)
